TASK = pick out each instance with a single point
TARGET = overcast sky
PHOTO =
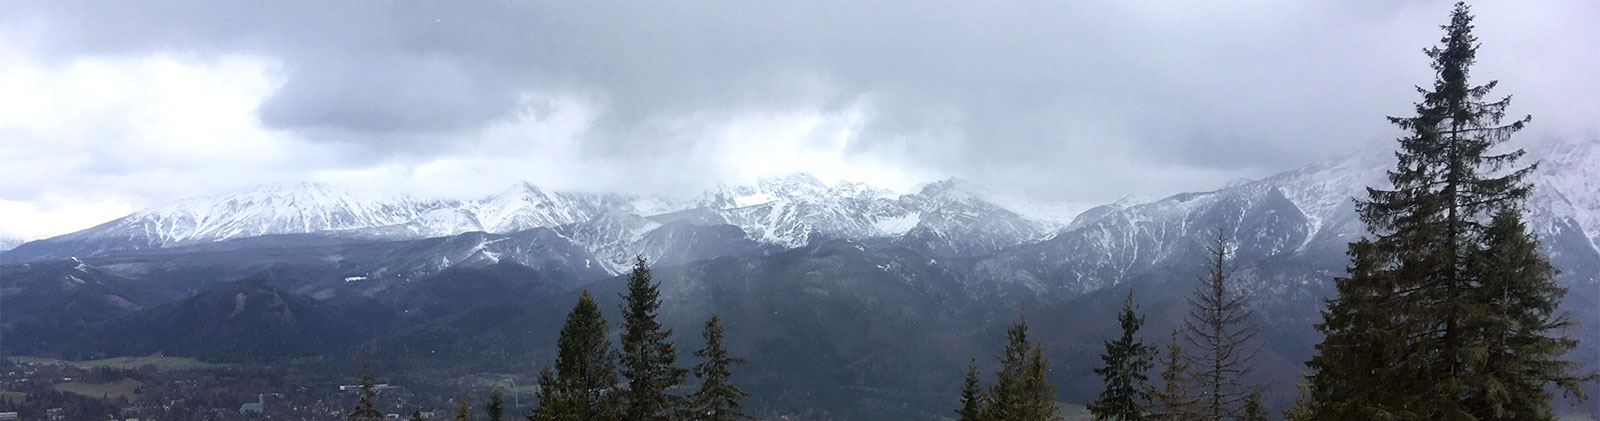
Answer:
(109, 107)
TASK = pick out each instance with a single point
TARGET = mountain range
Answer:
(944, 218)
(870, 301)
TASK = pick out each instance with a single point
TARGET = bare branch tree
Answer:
(1220, 329)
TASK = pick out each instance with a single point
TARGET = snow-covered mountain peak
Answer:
(792, 187)
(526, 205)
(1053, 214)
(795, 181)
(859, 190)
(522, 191)
(953, 189)
(8, 243)
(280, 208)
(275, 194)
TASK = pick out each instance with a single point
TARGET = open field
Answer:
(159, 362)
(125, 388)
(1072, 412)
(15, 397)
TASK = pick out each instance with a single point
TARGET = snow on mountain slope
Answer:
(786, 211)
(522, 206)
(525, 206)
(956, 219)
(263, 210)
(611, 237)
(1054, 214)
(8, 243)
(1567, 185)
(944, 218)
(271, 209)
(1128, 242)
(540, 248)
(435, 223)
(1566, 191)
(949, 217)
(1307, 213)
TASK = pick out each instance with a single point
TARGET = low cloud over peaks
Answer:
(139, 103)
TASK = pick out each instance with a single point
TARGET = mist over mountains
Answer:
(867, 299)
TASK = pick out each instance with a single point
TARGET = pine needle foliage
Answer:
(1449, 311)
(1020, 391)
(647, 351)
(1125, 362)
(464, 410)
(366, 408)
(717, 399)
(972, 399)
(1176, 400)
(583, 384)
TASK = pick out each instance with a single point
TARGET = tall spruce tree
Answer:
(1176, 400)
(1219, 327)
(416, 415)
(972, 403)
(1126, 360)
(583, 385)
(496, 408)
(366, 409)
(1410, 332)
(1020, 391)
(647, 353)
(717, 399)
(463, 411)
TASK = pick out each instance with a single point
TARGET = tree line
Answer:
(590, 381)
(1449, 311)
(1205, 381)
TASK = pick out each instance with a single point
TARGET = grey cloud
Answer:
(983, 90)
(384, 95)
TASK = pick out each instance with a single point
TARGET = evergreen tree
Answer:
(1020, 391)
(1176, 400)
(365, 409)
(551, 407)
(1301, 411)
(717, 399)
(496, 408)
(1411, 332)
(584, 381)
(1361, 370)
(1039, 395)
(1126, 361)
(1253, 410)
(1218, 325)
(463, 412)
(416, 415)
(971, 396)
(1520, 331)
(647, 354)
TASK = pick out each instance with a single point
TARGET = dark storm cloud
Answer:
(388, 94)
(992, 91)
